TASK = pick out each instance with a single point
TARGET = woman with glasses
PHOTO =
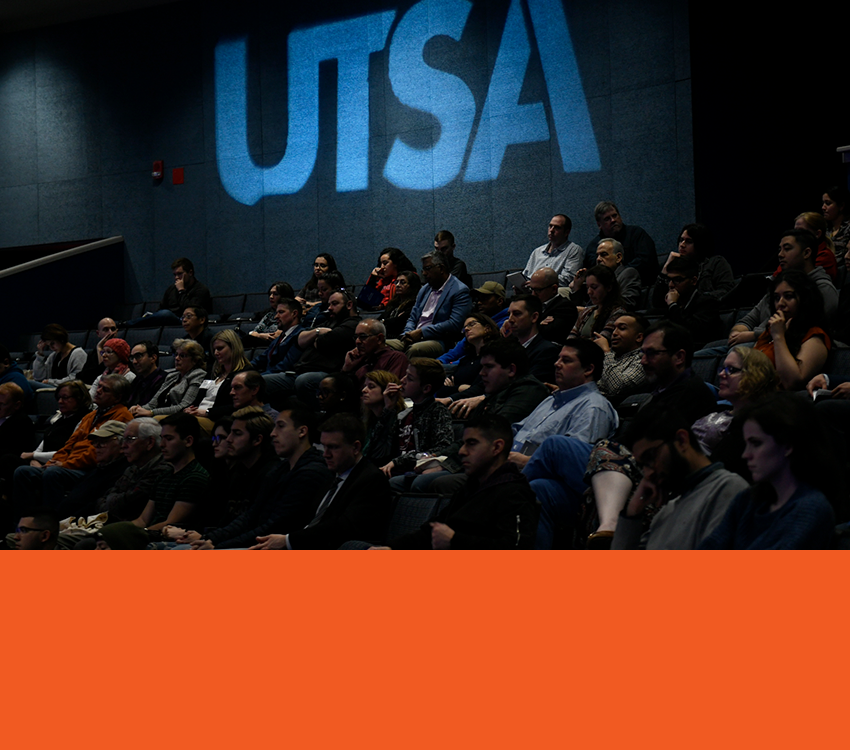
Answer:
(180, 387)
(795, 339)
(115, 356)
(309, 294)
(266, 329)
(465, 358)
(194, 322)
(796, 494)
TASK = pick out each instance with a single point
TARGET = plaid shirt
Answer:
(621, 373)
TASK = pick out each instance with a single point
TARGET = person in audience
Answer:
(441, 307)
(248, 390)
(610, 253)
(496, 508)
(371, 352)
(144, 361)
(559, 254)
(825, 256)
(180, 387)
(106, 329)
(382, 280)
(179, 497)
(214, 400)
(64, 361)
(337, 394)
(115, 356)
(358, 504)
(73, 402)
(797, 250)
(444, 242)
(836, 211)
(525, 311)
(267, 329)
(17, 432)
(123, 536)
(795, 475)
(465, 358)
(49, 482)
(11, 372)
(559, 313)
(380, 415)
(309, 294)
(194, 321)
(795, 340)
(186, 291)
(666, 356)
(397, 311)
(605, 307)
(426, 427)
(689, 492)
(319, 315)
(283, 352)
(38, 530)
(290, 495)
(683, 303)
(489, 300)
(622, 373)
(638, 246)
(715, 274)
(219, 468)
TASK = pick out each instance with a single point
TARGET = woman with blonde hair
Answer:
(214, 400)
(380, 412)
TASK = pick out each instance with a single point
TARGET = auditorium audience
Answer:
(610, 253)
(836, 211)
(715, 274)
(63, 363)
(465, 359)
(559, 313)
(309, 294)
(396, 313)
(267, 328)
(380, 287)
(73, 402)
(606, 305)
(180, 387)
(638, 246)
(444, 242)
(115, 356)
(144, 361)
(380, 415)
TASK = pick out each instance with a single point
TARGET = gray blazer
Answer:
(178, 397)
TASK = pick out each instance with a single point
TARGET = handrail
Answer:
(61, 255)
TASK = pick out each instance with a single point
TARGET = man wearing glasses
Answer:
(559, 313)
(106, 330)
(144, 362)
(371, 352)
(38, 530)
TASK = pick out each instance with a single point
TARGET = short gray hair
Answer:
(438, 258)
(120, 386)
(148, 427)
(374, 326)
(616, 246)
(602, 208)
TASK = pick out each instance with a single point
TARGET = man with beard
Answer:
(622, 373)
(692, 493)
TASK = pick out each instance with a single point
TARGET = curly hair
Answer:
(759, 377)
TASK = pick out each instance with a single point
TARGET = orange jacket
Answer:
(78, 452)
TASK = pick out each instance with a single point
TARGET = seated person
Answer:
(525, 311)
(791, 505)
(267, 328)
(465, 358)
(605, 306)
(444, 242)
(144, 361)
(395, 314)
(337, 394)
(380, 415)
(610, 253)
(290, 494)
(795, 339)
(248, 389)
(559, 313)
(441, 307)
(283, 352)
(623, 374)
(319, 314)
(715, 274)
(825, 256)
(426, 427)
(106, 329)
(11, 372)
(116, 361)
(177, 498)
(690, 493)
(47, 484)
(382, 280)
(496, 508)
(684, 304)
(638, 246)
(489, 300)
(371, 352)
(358, 504)
(559, 254)
(180, 387)
(309, 294)
(37, 530)
(63, 363)
(194, 321)
(17, 432)
(186, 291)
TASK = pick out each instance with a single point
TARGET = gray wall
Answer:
(86, 108)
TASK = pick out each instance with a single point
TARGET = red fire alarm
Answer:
(156, 172)
(177, 176)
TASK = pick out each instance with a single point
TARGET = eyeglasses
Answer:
(27, 529)
(728, 370)
(216, 439)
(106, 350)
(134, 357)
(650, 353)
(188, 316)
(128, 439)
(677, 279)
(363, 336)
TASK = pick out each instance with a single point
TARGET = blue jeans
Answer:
(556, 473)
(159, 318)
(43, 486)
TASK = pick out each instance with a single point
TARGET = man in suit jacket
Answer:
(559, 313)
(358, 504)
(283, 352)
(436, 321)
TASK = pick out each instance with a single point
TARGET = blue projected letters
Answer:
(503, 121)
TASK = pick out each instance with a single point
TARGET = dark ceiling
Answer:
(29, 14)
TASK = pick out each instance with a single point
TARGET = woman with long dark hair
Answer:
(397, 312)
(603, 291)
(309, 294)
(391, 262)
